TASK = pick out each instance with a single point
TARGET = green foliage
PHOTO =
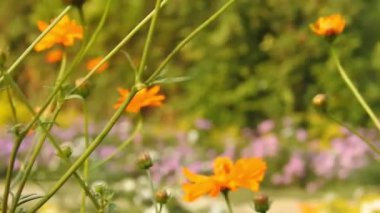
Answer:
(259, 60)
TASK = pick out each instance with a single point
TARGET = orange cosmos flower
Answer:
(143, 98)
(246, 172)
(64, 33)
(54, 56)
(329, 25)
(95, 61)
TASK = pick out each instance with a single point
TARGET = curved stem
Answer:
(158, 71)
(118, 47)
(86, 153)
(227, 199)
(38, 39)
(124, 144)
(150, 179)
(148, 41)
(8, 177)
(354, 90)
(354, 131)
(52, 140)
(31, 161)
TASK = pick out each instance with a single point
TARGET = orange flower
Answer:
(246, 172)
(54, 56)
(329, 25)
(95, 61)
(64, 33)
(143, 98)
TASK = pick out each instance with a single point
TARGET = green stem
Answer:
(86, 163)
(148, 41)
(227, 199)
(38, 39)
(355, 91)
(12, 105)
(150, 179)
(160, 208)
(52, 140)
(158, 71)
(8, 177)
(354, 131)
(76, 60)
(40, 142)
(31, 161)
(120, 148)
(118, 46)
(87, 152)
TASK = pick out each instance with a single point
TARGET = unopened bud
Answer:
(144, 161)
(100, 187)
(83, 87)
(67, 151)
(162, 196)
(261, 202)
(320, 101)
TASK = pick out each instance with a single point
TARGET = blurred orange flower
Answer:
(54, 56)
(95, 61)
(143, 98)
(64, 33)
(246, 172)
(329, 25)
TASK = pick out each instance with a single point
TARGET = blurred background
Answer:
(252, 76)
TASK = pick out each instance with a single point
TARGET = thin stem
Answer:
(52, 140)
(86, 163)
(12, 105)
(160, 208)
(354, 131)
(118, 46)
(38, 39)
(8, 177)
(158, 71)
(31, 161)
(355, 91)
(76, 60)
(120, 148)
(87, 152)
(227, 199)
(150, 179)
(148, 41)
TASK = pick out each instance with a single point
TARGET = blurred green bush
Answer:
(259, 60)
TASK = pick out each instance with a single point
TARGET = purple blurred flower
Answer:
(203, 124)
(265, 126)
(323, 164)
(265, 146)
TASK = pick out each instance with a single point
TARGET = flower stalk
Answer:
(354, 90)
(227, 199)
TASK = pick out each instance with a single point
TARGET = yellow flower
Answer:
(329, 25)
(144, 98)
(64, 33)
(246, 173)
(95, 61)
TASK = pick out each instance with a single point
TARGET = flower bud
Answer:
(320, 101)
(67, 151)
(77, 3)
(144, 161)
(261, 202)
(162, 196)
(100, 187)
(84, 87)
